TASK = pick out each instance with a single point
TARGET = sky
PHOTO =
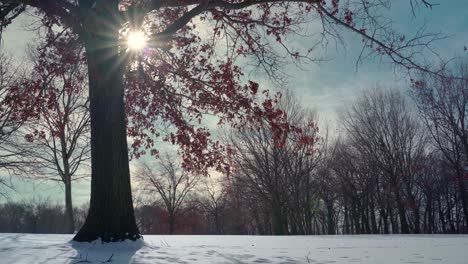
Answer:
(326, 87)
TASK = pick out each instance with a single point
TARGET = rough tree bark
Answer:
(111, 214)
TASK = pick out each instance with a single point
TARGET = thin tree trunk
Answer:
(171, 223)
(70, 225)
(393, 221)
(430, 217)
(449, 215)
(417, 220)
(384, 217)
(373, 218)
(346, 220)
(464, 198)
(330, 218)
(277, 221)
(277, 224)
(217, 221)
(402, 215)
(441, 216)
(357, 226)
(70, 222)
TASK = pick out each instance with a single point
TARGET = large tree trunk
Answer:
(111, 215)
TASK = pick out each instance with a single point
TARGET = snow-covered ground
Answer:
(27, 249)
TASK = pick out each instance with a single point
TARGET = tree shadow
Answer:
(11, 237)
(98, 252)
(247, 259)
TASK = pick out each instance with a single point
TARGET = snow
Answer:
(38, 248)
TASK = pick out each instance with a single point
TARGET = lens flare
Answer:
(136, 40)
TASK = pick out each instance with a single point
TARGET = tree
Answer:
(59, 133)
(181, 76)
(327, 183)
(381, 126)
(12, 154)
(278, 175)
(357, 180)
(443, 105)
(213, 203)
(171, 183)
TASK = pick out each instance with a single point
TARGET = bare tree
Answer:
(12, 155)
(279, 174)
(59, 132)
(213, 202)
(443, 105)
(382, 127)
(170, 181)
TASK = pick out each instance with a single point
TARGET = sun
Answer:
(136, 40)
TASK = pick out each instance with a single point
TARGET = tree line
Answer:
(398, 164)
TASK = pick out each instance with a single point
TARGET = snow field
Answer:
(38, 248)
